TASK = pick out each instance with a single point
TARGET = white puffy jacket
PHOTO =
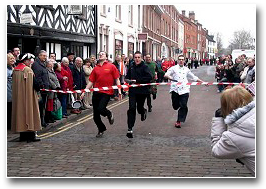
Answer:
(234, 136)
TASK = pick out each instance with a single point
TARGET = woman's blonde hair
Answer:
(9, 56)
(234, 98)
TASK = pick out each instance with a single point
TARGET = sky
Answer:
(223, 18)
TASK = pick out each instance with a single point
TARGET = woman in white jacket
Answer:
(233, 128)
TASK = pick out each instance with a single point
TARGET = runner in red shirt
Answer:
(103, 75)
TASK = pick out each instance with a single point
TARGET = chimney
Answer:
(183, 12)
(192, 15)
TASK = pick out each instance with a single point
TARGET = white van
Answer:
(238, 52)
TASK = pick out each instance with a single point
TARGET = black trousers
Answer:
(149, 101)
(180, 102)
(99, 103)
(136, 101)
(42, 106)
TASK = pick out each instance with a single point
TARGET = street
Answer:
(158, 149)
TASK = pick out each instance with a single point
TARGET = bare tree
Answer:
(242, 40)
(219, 44)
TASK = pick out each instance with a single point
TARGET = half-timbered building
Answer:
(54, 28)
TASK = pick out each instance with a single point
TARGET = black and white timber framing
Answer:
(50, 25)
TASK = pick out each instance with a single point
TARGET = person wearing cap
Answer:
(180, 93)
(25, 108)
(71, 57)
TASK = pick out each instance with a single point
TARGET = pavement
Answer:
(69, 147)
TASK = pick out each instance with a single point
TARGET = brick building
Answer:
(191, 34)
(152, 27)
(169, 23)
(201, 42)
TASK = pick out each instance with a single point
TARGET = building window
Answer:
(77, 49)
(130, 48)
(101, 42)
(148, 18)
(130, 15)
(138, 16)
(169, 30)
(54, 48)
(152, 21)
(79, 11)
(118, 47)
(105, 43)
(86, 52)
(118, 12)
(103, 10)
(166, 27)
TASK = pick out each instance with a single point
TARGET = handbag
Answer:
(57, 114)
(57, 104)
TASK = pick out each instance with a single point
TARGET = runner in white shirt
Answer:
(180, 93)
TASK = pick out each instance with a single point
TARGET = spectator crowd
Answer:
(29, 108)
(72, 73)
(242, 70)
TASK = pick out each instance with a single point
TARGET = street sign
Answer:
(143, 36)
(26, 18)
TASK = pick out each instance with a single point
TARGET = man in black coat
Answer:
(137, 73)
(42, 79)
(78, 77)
(71, 58)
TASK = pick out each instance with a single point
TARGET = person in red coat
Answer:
(171, 62)
(63, 80)
(70, 83)
(165, 65)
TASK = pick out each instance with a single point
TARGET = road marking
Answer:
(79, 121)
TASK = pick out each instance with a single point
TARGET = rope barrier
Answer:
(126, 86)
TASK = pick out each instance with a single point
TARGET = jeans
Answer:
(136, 101)
(180, 102)
(63, 99)
(99, 103)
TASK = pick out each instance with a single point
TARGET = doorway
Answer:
(29, 45)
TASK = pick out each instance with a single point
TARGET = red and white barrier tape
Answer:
(126, 86)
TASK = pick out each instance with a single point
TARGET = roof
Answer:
(210, 38)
